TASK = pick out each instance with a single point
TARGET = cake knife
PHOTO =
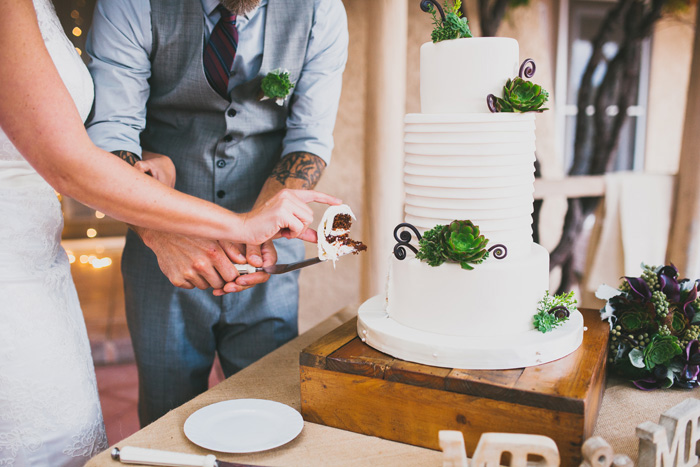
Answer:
(132, 455)
(277, 268)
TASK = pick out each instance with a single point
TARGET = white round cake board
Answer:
(530, 348)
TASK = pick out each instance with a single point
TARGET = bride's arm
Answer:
(38, 115)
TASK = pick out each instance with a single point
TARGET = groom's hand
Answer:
(193, 262)
(257, 256)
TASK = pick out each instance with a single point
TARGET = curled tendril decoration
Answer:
(404, 240)
(559, 312)
(499, 251)
(425, 6)
(527, 69)
(491, 102)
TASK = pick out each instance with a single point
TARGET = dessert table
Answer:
(276, 377)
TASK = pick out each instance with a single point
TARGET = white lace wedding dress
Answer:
(49, 409)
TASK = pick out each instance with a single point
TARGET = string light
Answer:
(92, 260)
(91, 233)
(77, 32)
(99, 263)
(99, 215)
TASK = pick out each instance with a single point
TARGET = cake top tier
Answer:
(457, 75)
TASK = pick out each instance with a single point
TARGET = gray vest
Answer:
(224, 151)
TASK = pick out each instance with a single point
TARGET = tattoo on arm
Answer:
(128, 157)
(301, 166)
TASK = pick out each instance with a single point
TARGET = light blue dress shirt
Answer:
(120, 44)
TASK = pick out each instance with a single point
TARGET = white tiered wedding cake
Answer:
(464, 162)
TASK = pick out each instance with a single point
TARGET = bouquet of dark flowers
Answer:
(654, 328)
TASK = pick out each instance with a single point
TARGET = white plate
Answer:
(243, 425)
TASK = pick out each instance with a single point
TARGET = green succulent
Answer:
(634, 320)
(661, 350)
(453, 27)
(520, 95)
(546, 319)
(276, 84)
(460, 242)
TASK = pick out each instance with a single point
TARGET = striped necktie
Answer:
(220, 51)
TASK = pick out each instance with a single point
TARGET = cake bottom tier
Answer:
(498, 298)
(520, 350)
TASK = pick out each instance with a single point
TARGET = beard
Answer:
(240, 7)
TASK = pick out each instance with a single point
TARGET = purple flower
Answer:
(668, 280)
(660, 378)
(691, 360)
(640, 289)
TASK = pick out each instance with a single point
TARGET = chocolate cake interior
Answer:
(343, 222)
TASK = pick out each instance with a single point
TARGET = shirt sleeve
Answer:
(314, 105)
(119, 45)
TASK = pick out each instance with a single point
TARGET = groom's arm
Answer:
(119, 44)
(308, 143)
(299, 171)
(127, 156)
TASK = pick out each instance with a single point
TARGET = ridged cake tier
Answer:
(449, 300)
(478, 167)
(457, 75)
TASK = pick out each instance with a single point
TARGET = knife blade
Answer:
(277, 268)
(133, 455)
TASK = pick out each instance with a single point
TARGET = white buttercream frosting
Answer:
(333, 250)
(497, 298)
(463, 162)
(457, 75)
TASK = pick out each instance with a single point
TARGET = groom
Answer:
(163, 86)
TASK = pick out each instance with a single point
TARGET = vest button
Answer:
(228, 138)
(231, 112)
(220, 193)
(221, 163)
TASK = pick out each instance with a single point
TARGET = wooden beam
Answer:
(684, 240)
(386, 109)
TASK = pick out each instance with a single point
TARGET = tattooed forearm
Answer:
(128, 157)
(299, 166)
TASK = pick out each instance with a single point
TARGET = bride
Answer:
(49, 408)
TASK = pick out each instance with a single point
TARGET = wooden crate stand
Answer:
(349, 385)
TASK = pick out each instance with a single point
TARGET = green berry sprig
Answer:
(651, 278)
(660, 302)
(690, 334)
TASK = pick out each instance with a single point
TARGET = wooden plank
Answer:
(316, 353)
(493, 384)
(357, 358)
(563, 384)
(415, 415)
(415, 374)
(570, 187)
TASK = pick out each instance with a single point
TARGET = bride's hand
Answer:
(284, 215)
(158, 166)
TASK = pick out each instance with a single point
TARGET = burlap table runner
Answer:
(276, 377)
